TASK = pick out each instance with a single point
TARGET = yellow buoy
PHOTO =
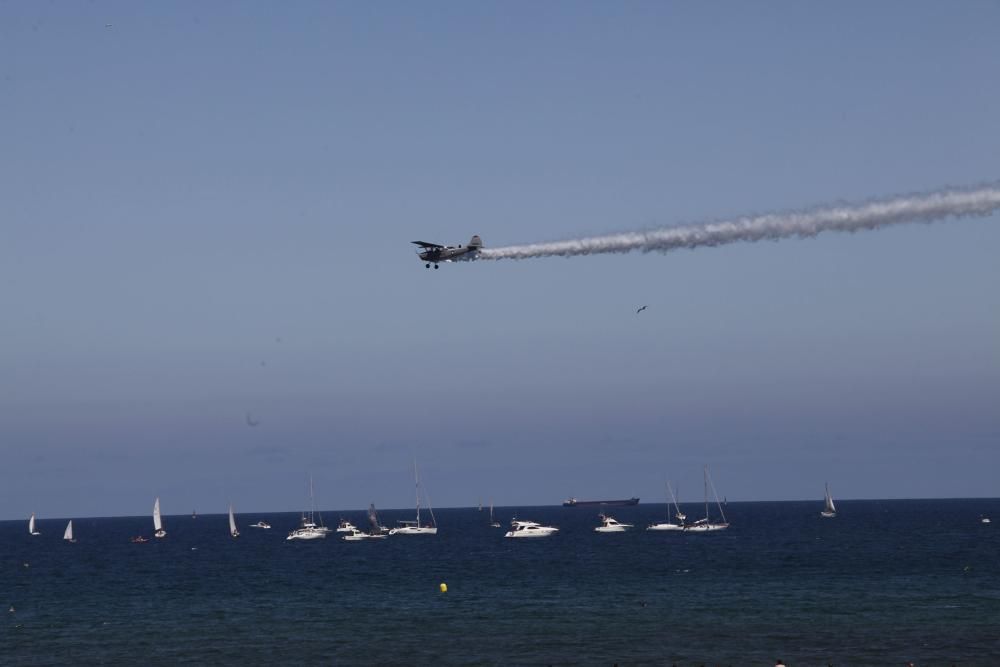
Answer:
(443, 587)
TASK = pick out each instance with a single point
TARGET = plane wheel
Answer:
(427, 266)
(436, 266)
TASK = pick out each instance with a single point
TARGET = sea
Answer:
(884, 583)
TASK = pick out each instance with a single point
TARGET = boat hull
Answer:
(665, 526)
(413, 530)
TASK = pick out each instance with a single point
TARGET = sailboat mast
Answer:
(416, 487)
(312, 501)
(705, 473)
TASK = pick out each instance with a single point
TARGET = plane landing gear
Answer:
(436, 266)
(427, 266)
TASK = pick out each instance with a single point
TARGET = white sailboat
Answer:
(308, 530)
(31, 525)
(414, 527)
(68, 535)
(680, 516)
(493, 522)
(705, 525)
(829, 510)
(157, 521)
(232, 523)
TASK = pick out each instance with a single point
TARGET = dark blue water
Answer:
(883, 583)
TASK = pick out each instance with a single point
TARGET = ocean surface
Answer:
(883, 583)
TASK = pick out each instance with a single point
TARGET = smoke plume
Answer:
(923, 207)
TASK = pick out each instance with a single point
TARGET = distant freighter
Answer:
(573, 502)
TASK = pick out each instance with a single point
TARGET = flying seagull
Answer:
(641, 309)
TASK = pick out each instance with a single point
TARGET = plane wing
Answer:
(425, 244)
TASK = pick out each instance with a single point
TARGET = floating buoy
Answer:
(444, 587)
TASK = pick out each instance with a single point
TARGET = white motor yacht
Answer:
(346, 526)
(611, 525)
(261, 524)
(358, 535)
(529, 529)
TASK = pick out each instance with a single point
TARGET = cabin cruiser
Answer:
(138, 539)
(357, 535)
(529, 529)
(413, 528)
(261, 524)
(346, 526)
(609, 524)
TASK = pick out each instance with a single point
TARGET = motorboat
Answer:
(261, 524)
(346, 526)
(985, 519)
(138, 539)
(377, 531)
(357, 535)
(529, 529)
(609, 524)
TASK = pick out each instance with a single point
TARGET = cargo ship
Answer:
(573, 502)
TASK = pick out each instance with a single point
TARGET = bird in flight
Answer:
(251, 421)
(641, 309)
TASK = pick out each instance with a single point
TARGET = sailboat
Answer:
(680, 516)
(68, 535)
(31, 525)
(157, 521)
(375, 532)
(308, 530)
(232, 523)
(829, 510)
(493, 522)
(705, 525)
(414, 527)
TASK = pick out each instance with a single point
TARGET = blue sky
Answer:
(182, 189)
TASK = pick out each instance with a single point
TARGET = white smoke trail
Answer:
(925, 207)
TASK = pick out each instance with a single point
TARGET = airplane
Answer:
(432, 253)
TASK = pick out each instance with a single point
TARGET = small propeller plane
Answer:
(432, 253)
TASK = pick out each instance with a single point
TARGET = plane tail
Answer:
(476, 242)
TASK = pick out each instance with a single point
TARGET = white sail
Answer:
(31, 525)
(232, 523)
(68, 535)
(829, 509)
(157, 521)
